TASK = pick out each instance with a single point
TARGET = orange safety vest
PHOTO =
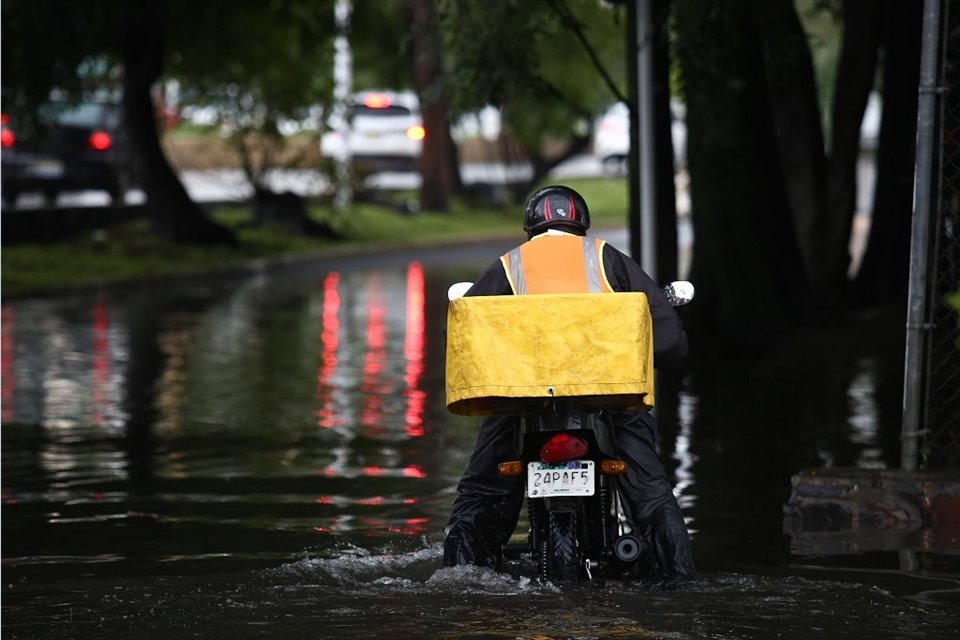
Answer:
(557, 264)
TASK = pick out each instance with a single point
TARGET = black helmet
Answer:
(554, 206)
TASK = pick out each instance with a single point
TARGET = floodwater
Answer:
(270, 457)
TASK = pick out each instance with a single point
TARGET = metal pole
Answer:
(924, 204)
(647, 158)
(342, 87)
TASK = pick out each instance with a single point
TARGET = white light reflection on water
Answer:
(864, 420)
(686, 414)
(63, 371)
(171, 385)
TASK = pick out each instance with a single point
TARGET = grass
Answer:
(129, 252)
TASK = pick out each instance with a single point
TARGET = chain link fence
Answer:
(941, 445)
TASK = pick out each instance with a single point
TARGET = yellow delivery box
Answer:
(505, 352)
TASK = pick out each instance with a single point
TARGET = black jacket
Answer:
(624, 274)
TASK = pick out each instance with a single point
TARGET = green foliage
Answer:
(273, 58)
(524, 57)
(46, 44)
(380, 45)
(823, 22)
(259, 64)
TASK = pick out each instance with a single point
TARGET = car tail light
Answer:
(100, 141)
(377, 101)
(7, 137)
(416, 132)
(563, 446)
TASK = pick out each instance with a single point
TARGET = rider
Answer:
(559, 258)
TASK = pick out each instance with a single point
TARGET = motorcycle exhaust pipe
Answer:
(627, 548)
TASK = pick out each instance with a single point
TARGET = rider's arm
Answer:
(669, 339)
(492, 283)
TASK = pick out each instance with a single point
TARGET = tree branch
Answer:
(577, 28)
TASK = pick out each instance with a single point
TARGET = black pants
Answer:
(487, 506)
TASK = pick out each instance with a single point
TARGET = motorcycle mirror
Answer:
(457, 290)
(679, 292)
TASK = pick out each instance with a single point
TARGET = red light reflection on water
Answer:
(351, 520)
(330, 341)
(375, 526)
(378, 375)
(414, 471)
(7, 382)
(101, 361)
(345, 501)
(413, 350)
(371, 416)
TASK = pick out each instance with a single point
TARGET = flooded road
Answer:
(270, 457)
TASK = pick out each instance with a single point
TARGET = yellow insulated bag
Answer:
(505, 353)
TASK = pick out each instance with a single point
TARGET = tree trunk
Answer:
(173, 215)
(439, 175)
(799, 138)
(747, 266)
(288, 211)
(855, 76)
(882, 278)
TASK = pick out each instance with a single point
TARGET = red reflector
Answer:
(7, 139)
(100, 141)
(377, 101)
(563, 446)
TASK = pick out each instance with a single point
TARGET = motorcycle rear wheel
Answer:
(561, 559)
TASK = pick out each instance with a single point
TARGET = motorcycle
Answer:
(579, 525)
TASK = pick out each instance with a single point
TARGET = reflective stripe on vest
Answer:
(557, 264)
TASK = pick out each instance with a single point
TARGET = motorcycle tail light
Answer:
(511, 468)
(100, 141)
(563, 446)
(613, 467)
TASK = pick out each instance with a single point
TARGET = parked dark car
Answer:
(68, 147)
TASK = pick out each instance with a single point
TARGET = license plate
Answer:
(46, 169)
(570, 478)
